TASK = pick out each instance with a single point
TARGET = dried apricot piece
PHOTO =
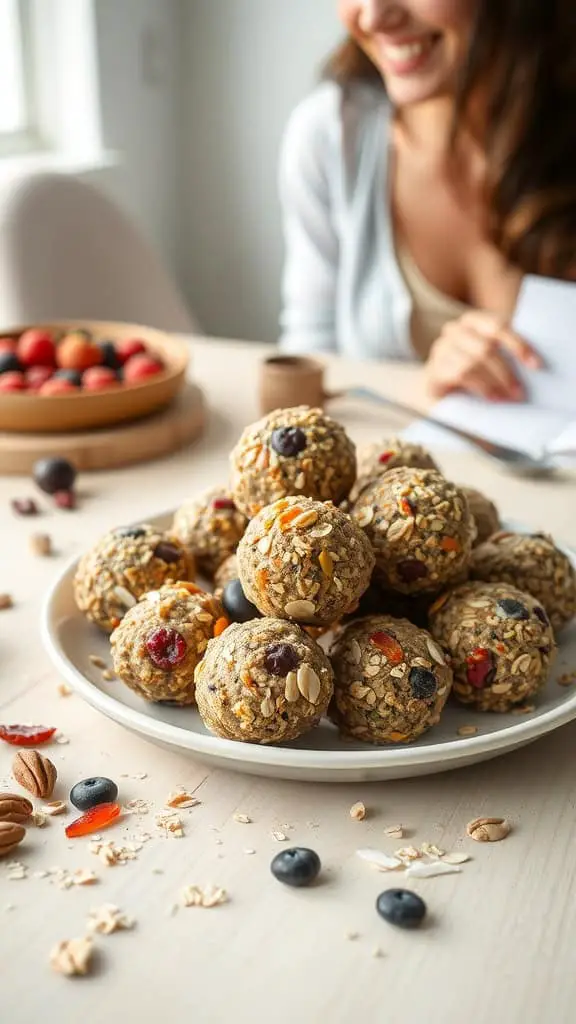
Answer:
(95, 819)
(286, 517)
(450, 544)
(389, 646)
(220, 625)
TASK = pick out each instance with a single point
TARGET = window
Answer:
(16, 127)
(49, 96)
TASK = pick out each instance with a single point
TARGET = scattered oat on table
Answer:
(242, 819)
(72, 957)
(97, 661)
(467, 730)
(395, 831)
(108, 919)
(204, 896)
(64, 690)
(379, 860)
(181, 798)
(41, 544)
(171, 824)
(358, 811)
(280, 837)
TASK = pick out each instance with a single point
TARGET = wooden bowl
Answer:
(27, 412)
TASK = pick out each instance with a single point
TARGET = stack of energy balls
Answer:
(412, 576)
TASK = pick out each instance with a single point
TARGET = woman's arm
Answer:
(307, 159)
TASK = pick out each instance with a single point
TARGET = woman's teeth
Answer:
(407, 51)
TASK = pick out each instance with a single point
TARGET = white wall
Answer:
(138, 61)
(245, 63)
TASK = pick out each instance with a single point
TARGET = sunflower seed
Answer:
(125, 597)
(400, 530)
(435, 652)
(300, 609)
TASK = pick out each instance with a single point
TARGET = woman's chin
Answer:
(408, 90)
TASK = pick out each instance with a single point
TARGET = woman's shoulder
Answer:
(316, 122)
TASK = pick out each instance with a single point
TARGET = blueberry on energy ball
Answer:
(288, 441)
(401, 907)
(91, 792)
(297, 866)
(508, 608)
(423, 683)
(236, 605)
(53, 475)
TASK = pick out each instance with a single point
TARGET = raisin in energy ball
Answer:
(391, 680)
(209, 528)
(263, 681)
(484, 513)
(160, 641)
(500, 642)
(381, 456)
(420, 528)
(533, 564)
(304, 560)
(126, 563)
(292, 451)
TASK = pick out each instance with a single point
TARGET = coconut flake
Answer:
(379, 860)
(429, 869)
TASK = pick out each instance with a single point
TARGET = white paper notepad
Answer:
(546, 317)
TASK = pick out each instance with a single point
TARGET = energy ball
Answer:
(122, 566)
(263, 681)
(292, 451)
(209, 528)
(377, 458)
(484, 513)
(534, 564)
(160, 641)
(500, 642)
(304, 560)
(420, 528)
(391, 680)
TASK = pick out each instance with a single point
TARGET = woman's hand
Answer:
(470, 355)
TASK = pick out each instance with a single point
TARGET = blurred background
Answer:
(175, 108)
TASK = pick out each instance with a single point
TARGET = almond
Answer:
(35, 773)
(14, 808)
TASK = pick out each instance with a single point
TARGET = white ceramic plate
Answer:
(320, 756)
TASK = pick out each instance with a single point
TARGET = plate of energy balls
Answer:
(324, 615)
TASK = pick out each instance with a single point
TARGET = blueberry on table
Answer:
(53, 475)
(236, 605)
(401, 907)
(288, 441)
(91, 792)
(297, 866)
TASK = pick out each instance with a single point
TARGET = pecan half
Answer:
(35, 773)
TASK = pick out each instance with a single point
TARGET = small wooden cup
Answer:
(286, 381)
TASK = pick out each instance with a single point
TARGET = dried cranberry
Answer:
(481, 668)
(288, 441)
(167, 552)
(385, 457)
(223, 503)
(423, 683)
(508, 608)
(411, 570)
(280, 659)
(65, 499)
(166, 648)
(541, 614)
(24, 506)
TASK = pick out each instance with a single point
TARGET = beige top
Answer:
(431, 308)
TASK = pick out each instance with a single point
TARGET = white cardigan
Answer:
(342, 288)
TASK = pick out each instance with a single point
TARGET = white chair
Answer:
(67, 252)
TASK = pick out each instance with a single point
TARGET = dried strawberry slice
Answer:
(389, 646)
(26, 735)
(385, 457)
(96, 818)
(481, 668)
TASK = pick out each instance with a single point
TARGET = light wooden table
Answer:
(500, 946)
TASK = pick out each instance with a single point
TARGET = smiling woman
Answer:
(433, 167)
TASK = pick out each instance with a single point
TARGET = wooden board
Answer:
(111, 447)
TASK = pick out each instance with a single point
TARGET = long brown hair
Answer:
(523, 55)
